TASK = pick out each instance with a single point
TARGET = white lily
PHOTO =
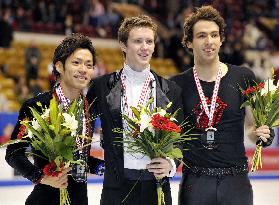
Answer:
(46, 114)
(268, 87)
(29, 134)
(35, 125)
(71, 123)
(144, 121)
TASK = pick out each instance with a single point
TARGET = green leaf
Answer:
(10, 142)
(274, 119)
(169, 105)
(69, 141)
(64, 151)
(167, 147)
(58, 123)
(40, 120)
(175, 113)
(176, 153)
(34, 132)
(53, 110)
(73, 108)
(136, 112)
(273, 114)
(118, 130)
(58, 161)
(40, 146)
(276, 123)
(131, 123)
(39, 104)
(64, 132)
(151, 100)
(51, 127)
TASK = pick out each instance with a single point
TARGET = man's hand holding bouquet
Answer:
(263, 98)
(155, 134)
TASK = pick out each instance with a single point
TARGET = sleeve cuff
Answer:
(269, 140)
(173, 171)
(100, 169)
(37, 178)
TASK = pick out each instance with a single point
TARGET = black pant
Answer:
(215, 190)
(143, 193)
(47, 195)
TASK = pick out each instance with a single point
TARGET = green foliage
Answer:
(52, 138)
(151, 141)
(264, 103)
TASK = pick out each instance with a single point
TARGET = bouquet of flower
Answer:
(263, 98)
(53, 132)
(154, 134)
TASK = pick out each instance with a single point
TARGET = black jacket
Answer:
(105, 92)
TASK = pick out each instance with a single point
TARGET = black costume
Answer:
(106, 94)
(15, 156)
(217, 176)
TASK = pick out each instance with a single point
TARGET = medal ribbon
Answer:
(143, 93)
(62, 98)
(66, 103)
(210, 113)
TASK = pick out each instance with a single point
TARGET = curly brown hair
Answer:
(207, 13)
(135, 21)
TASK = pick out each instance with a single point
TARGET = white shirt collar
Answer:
(133, 75)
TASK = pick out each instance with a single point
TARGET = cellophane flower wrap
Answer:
(155, 134)
(263, 98)
(52, 132)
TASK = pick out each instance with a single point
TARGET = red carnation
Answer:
(51, 169)
(159, 122)
(172, 127)
(21, 133)
(163, 123)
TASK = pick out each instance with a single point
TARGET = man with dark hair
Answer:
(73, 61)
(130, 177)
(215, 170)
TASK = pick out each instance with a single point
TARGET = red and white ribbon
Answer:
(210, 113)
(143, 94)
(62, 98)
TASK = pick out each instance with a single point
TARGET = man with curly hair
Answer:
(215, 169)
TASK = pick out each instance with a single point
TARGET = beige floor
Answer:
(266, 192)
